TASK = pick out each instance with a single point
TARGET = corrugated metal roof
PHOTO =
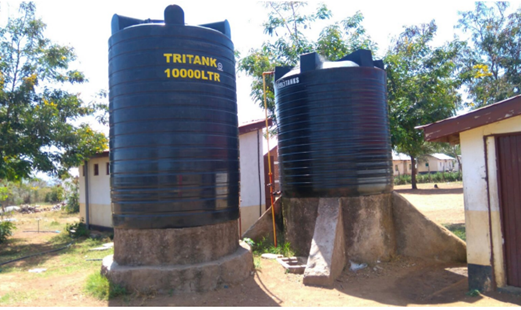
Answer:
(441, 156)
(400, 156)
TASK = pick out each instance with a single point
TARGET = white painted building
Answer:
(98, 176)
(436, 162)
(252, 189)
(401, 164)
(490, 139)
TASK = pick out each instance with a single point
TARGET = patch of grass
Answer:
(266, 246)
(100, 287)
(17, 297)
(257, 262)
(458, 230)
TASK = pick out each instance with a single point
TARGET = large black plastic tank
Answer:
(334, 138)
(174, 155)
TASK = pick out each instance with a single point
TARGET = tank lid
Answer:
(174, 15)
(313, 61)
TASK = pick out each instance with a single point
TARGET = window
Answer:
(410, 166)
(108, 168)
(96, 169)
(396, 168)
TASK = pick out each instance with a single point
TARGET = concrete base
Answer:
(327, 256)
(175, 246)
(201, 277)
(367, 224)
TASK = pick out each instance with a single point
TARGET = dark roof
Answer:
(254, 126)
(448, 130)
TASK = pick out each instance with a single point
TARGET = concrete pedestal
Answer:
(194, 259)
(368, 227)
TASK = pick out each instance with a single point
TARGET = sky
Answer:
(85, 25)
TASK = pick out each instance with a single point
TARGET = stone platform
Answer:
(181, 260)
(200, 277)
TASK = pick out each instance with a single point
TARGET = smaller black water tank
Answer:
(334, 138)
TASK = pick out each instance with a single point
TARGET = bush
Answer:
(6, 230)
(438, 177)
(78, 229)
(55, 195)
(73, 196)
(266, 246)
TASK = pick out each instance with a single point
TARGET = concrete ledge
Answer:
(200, 277)
(174, 246)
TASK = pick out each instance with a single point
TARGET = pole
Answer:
(270, 185)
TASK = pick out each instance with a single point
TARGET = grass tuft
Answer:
(266, 246)
(100, 287)
(458, 230)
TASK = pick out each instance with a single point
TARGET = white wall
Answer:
(252, 200)
(99, 193)
(403, 167)
(435, 165)
(480, 234)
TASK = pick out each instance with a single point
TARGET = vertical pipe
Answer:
(86, 167)
(259, 173)
(269, 160)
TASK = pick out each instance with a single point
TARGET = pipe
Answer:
(259, 173)
(21, 258)
(86, 165)
(270, 185)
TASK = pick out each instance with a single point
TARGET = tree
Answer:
(38, 116)
(288, 25)
(422, 87)
(491, 62)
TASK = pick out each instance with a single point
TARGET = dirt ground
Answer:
(401, 282)
(444, 204)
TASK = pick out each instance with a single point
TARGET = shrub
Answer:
(55, 195)
(6, 230)
(73, 196)
(78, 229)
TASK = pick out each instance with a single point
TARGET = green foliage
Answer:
(6, 230)
(73, 196)
(266, 246)
(457, 229)
(491, 59)
(77, 229)
(422, 87)
(37, 114)
(100, 287)
(55, 195)
(473, 293)
(438, 177)
(288, 28)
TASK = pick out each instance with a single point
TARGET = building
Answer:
(436, 162)
(401, 164)
(490, 139)
(252, 190)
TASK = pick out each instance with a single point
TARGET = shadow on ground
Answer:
(246, 294)
(431, 191)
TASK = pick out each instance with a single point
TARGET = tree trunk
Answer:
(413, 172)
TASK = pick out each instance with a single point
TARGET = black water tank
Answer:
(334, 138)
(174, 155)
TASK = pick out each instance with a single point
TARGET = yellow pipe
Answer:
(269, 158)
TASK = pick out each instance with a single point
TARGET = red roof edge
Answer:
(448, 130)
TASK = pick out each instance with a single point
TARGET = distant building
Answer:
(401, 164)
(436, 162)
